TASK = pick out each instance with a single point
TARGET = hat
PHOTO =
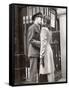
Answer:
(39, 14)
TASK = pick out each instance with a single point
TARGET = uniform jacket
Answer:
(33, 41)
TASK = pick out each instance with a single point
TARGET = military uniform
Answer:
(34, 50)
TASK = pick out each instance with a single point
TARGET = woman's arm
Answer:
(43, 38)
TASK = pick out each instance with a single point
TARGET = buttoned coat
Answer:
(34, 41)
(46, 52)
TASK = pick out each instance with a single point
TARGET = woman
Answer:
(46, 53)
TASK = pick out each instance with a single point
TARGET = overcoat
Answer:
(46, 52)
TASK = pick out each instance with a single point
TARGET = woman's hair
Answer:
(46, 21)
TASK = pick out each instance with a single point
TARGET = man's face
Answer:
(39, 20)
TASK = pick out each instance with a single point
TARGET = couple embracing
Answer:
(40, 52)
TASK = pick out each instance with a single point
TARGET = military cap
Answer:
(39, 14)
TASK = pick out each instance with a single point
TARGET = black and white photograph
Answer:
(37, 44)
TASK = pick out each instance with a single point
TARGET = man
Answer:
(34, 46)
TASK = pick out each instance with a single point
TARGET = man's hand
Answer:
(35, 43)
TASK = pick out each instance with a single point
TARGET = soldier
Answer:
(34, 46)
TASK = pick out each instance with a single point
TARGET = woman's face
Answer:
(42, 21)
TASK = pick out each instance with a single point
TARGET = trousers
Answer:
(34, 69)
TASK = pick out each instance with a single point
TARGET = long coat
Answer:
(46, 52)
(34, 41)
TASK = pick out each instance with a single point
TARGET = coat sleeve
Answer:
(43, 38)
(31, 38)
